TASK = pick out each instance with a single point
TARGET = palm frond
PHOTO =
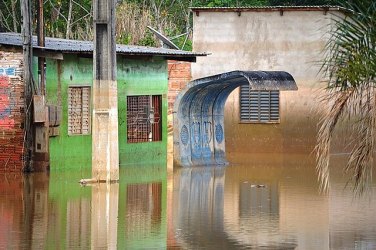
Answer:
(327, 125)
(350, 64)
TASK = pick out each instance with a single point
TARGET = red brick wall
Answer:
(179, 74)
(11, 111)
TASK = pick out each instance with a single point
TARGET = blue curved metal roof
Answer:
(199, 113)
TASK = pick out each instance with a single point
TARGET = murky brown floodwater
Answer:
(260, 201)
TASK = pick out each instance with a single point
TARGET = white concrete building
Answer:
(272, 39)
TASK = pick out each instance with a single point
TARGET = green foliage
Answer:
(73, 19)
(351, 53)
(132, 20)
(68, 19)
(183, 42)
(148, 40)
(10, 16)
(124, 38)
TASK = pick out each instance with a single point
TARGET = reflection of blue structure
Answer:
(198, 216)
(199, 113)
(211, 215)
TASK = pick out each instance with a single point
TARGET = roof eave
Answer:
(268, 8)
(64, 46)
(51, 53)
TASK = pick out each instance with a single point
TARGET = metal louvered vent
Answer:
(259, 106)
(78, 110)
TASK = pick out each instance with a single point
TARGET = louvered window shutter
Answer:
(259, 106)
(79, 111)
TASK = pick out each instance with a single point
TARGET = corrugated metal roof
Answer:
(271, 8)
(77, 46)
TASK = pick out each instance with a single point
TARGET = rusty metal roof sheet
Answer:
(77, 46)
(269, 8)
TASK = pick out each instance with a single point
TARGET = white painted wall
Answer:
(265, 40)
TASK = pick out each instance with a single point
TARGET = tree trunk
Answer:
(14, 16)
(69, 19)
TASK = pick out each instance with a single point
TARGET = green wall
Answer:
(136, 76)
(140, 77)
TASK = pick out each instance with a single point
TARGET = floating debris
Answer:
(258, 186)
(84, 182)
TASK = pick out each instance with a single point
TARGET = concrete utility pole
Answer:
(105, 147)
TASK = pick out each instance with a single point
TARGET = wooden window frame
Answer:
(89, 107)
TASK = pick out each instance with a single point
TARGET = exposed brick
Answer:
(11, 117)
(179, 74)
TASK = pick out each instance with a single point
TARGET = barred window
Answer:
(144, 116)
(259, 106)
(79, 110)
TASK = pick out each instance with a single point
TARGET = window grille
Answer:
(144, 115)
(79, 111)
(259, 106)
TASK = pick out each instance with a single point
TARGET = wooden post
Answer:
(41, 140)
(105, 148)
(41, 43)
(28, 83)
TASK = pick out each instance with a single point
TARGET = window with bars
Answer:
(144, 118)
(259, 106)
(79, 110)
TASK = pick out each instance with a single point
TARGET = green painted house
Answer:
(142, 80)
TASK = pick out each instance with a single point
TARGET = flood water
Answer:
(258, 202)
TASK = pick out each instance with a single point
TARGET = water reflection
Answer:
(143, 210)
(104, 214)
(239, 211)
(263, 201)
(42, 211)
(23, 210)
(198, 210)
(272, 202)
(352, 220)
(78, 226)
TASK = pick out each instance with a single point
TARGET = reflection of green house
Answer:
(139, 220)
(142, 79)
